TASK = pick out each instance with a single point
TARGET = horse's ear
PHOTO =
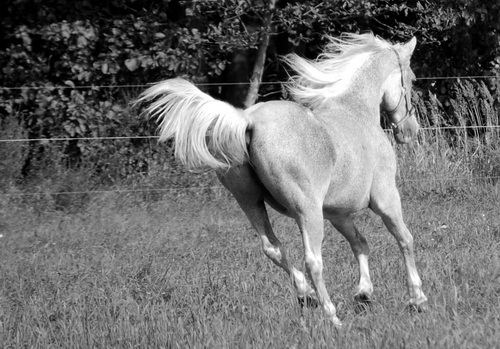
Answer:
(409, 47)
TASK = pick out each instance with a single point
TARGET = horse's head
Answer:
(396, 90)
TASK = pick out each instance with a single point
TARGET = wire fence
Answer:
(433, 176)
(206, 84)
(115, 191)
(428, 151)
(61, 139)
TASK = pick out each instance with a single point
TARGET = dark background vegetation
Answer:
(69, 69)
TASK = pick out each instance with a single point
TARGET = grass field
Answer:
(188, 271)
(184, 269)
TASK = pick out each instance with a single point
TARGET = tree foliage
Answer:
(66, 63)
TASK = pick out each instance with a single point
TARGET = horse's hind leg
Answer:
(388, 207)
(273, 249)
(248, 192)
(310, 223)
(360, 248)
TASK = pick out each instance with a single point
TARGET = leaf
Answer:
(110, 114)
(104, 68)
(69, 130)
(117, 108)
(131, 64)
(84, 75)
(81, 42)
(50, 86)
(69, 83)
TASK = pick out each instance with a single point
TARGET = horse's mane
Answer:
(332, 71)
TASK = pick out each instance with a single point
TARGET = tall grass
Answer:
(458, 145)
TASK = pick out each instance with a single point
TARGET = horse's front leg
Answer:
(388, 207)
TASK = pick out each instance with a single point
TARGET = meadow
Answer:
(184, 268)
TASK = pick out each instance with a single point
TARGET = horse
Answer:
(323, 155)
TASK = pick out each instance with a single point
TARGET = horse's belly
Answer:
(346, 201)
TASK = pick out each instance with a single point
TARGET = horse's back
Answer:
(285, 124)
(296, 154)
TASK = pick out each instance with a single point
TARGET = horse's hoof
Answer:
(336, 322)
(418, 308)
(363, 303)
(309, 301)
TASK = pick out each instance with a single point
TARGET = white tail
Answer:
(206, 131)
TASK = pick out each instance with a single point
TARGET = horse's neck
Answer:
(364, 92)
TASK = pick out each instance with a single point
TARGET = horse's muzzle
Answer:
(406, 131)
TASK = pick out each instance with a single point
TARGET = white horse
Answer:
(324, 156)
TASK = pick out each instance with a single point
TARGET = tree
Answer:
(260, 60)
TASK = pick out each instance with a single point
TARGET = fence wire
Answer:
(471, 149)
(61, 139)
(440, 179)
(243, 83)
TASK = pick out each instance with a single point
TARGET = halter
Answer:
(403, 94)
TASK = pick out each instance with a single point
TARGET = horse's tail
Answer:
(206, 131)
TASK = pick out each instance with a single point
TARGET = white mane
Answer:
(331, 73)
